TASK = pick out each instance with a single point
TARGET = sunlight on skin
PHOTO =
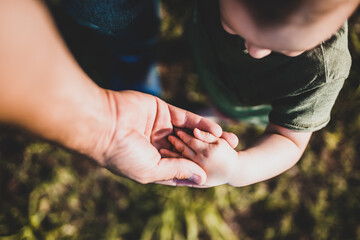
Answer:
(290, 40)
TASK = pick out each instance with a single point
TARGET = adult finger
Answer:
(179, 168)
(162, 125)
(185, 119)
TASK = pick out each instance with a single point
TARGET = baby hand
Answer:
(213, 154)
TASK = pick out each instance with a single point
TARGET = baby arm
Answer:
(275, 152)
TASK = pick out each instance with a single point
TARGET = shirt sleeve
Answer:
(308, 111)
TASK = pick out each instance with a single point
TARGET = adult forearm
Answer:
(276, 151)
(42, 88)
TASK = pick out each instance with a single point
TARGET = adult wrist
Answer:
(87, 125)
(99, 128)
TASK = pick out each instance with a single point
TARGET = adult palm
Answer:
(141, 126)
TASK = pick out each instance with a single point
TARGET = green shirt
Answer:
(301, 90)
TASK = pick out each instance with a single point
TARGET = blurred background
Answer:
(47, 192)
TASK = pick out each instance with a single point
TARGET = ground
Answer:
(47, 192)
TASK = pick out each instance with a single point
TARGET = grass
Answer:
(49, 193)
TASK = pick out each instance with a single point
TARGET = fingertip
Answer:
(177, 131)
(163, 153)
(181, 134)
(173, 140)
(166, 153)
(197, 132)
(217, 132)
(180, 168)
(235, 140)
(196, 179)
(231, 138)
(170, 138)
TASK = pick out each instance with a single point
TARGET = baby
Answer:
(290, 57)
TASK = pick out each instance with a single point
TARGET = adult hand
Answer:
(53, 98)
(141, 125)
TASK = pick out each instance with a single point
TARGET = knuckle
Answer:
(181, 149)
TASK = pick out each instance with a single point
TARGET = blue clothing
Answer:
(129, 30)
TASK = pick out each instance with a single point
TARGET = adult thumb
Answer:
(181, 169)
